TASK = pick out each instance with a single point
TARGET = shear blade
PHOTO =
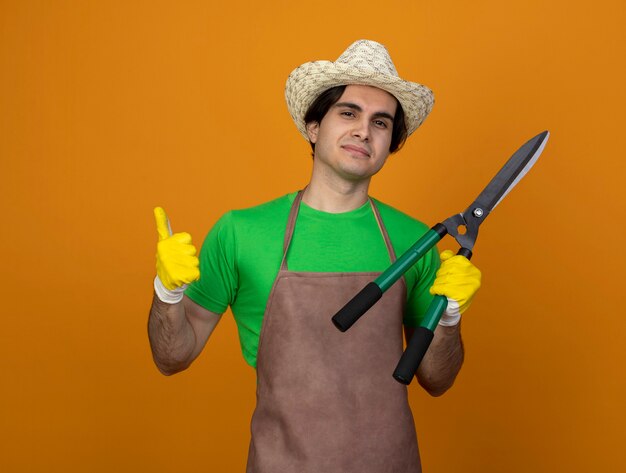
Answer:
(511, 173)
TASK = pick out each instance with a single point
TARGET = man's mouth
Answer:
(358, 150)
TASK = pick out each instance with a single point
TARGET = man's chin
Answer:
(356, 173)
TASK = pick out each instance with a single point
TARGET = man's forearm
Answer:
(172, 338)
(443, 360)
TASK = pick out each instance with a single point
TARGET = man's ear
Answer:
(312, 128)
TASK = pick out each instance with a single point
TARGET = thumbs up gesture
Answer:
(176, 261)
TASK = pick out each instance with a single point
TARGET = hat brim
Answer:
(311, 79)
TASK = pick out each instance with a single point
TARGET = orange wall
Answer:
(110, 108)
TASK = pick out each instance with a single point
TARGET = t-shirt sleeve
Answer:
(217, 287)
(419, 297)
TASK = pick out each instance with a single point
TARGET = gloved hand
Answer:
(176, 261)
(457, 279)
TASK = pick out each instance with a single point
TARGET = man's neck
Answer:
(335, 197)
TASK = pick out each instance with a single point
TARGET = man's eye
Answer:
(380, 123)
(348, 114)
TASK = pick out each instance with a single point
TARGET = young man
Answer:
(326, 400)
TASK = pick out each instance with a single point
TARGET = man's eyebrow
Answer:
(357, 108)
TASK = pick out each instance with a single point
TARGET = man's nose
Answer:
(361, 129)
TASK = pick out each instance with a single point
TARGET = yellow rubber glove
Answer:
(457, 279)
(176, 261)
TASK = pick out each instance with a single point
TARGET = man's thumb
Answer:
(446, 255)
(163, 224)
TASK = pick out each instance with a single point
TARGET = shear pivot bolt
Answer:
(478, 212)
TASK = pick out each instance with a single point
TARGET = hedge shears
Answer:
(464, 228)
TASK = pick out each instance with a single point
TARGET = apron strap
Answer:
(291, 225)
(383, 230)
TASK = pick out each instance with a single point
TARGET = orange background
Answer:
(110, 108)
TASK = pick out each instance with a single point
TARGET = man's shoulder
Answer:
(275, 208)
(262, 216)
(404, 230)
(396, 218)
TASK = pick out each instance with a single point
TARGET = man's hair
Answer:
(320, 106)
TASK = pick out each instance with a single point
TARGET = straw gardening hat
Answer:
(364, 62)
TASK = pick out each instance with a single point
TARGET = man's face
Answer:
(352, 141)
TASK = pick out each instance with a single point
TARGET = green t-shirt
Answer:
(241, 257)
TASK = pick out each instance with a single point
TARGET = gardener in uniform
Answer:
(326, 400)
